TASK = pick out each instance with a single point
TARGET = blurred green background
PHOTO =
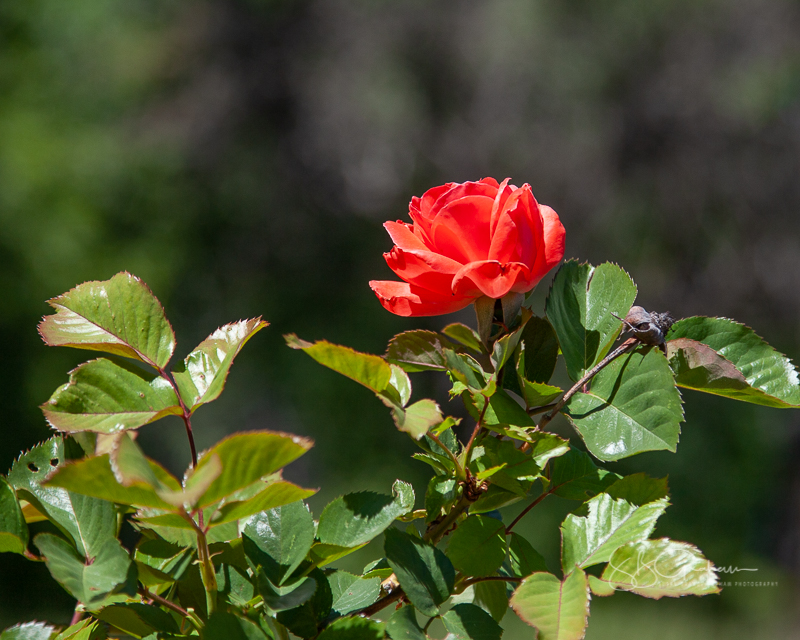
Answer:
(240, 157)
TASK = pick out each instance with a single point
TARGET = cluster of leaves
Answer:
(232, 551)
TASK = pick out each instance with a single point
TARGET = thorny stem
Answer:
(628, 345)
(478, 425)
(525, 511)
(154, 597)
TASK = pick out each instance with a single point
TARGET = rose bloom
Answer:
(469, 240)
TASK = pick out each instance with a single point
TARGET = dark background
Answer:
(240, 157)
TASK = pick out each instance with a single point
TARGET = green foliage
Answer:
(231, 550)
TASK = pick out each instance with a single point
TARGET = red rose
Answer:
(469, 240)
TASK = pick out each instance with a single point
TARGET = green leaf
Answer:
(593, 538)
(478, 546)
(537, 394)
(13, 530)
(286, 597)
(356, 518)
(323, 554)
(639, 489)
(579, 306)
(419, 418)
(418, 351)
(119, 316)
(633, 406)
(539, 351)
(353, 629)
(275, 494)
(227, 626)
(424, 572)
(283, 535)
(505, 347)
(494, 498)
(105, 397)
(89, 581)
(464, 369)
(657, 568)
(502, 410)
(204, 371)
(159, 562)
(737, 364)
(464, 335)
(403, 625)
(600, 587)
(371, 371)
(559, 610)
(304, 621)
(95, 477)
(575, 477)
(468, 622)
(246, 458)
(442, 493)
(138, 620)
(492, 597)
(28, 631)
(89, 522)
(86, 629)
(351, 593)
(523, 559)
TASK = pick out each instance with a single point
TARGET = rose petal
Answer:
(404, 299)
(503, 192)
(423, 268)
(461, 229)
(463, 190)
(552, 244)
(403, 236)
(492, 278)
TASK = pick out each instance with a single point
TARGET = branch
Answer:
(372, 609)
(526, 509)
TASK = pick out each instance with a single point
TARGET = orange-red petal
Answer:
(424, 269)
(492, 278)
(404, 299)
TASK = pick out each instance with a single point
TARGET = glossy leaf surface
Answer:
(119, 316)
(633, 406)
(105, 397)
(28, 631)
(579, 306)
(204, 371)
(736, 364)
(593, 538)
(558, 609)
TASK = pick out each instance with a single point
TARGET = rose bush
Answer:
(469, 240)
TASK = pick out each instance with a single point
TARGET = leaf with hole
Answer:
(633, 406)
(580, 305)
(119, 316)
(105, 397)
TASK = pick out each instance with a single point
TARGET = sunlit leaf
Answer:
(424, 572)
(282, 537)
(418, 418)
(658, 568)
(246, 458)
(633, 406)
(464, 335)
(418, 351)
(559, 610)
(353, 629)
(356, 518)
(89, 522)
(442, 492)
(119, 316)
(274, 494)
(105, 397)
(13, 530)
(28, 631)
(579, 306)
(726, 358)
(202, 375)
(322, 554)
(351, 593)
(608, 524)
